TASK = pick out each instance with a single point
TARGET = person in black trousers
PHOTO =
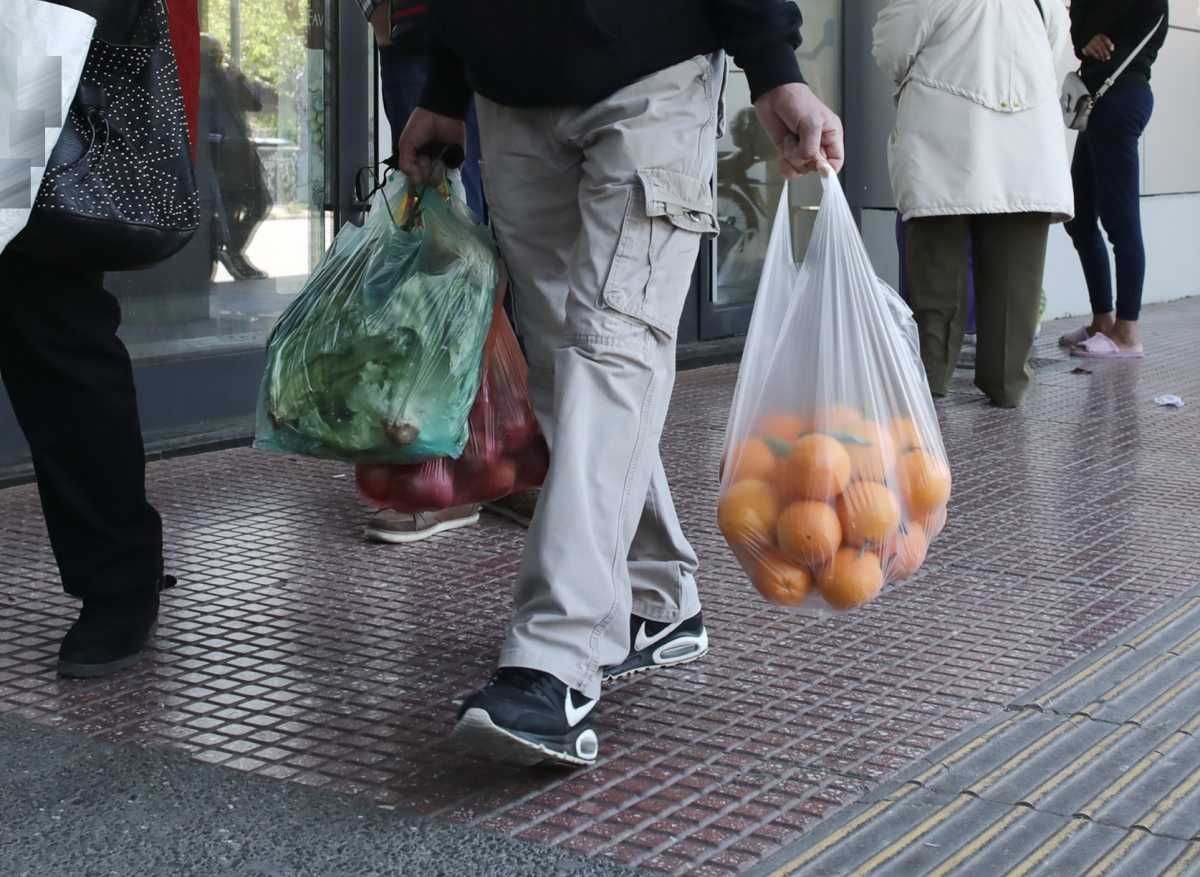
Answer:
(70, 382)
(1106, 171)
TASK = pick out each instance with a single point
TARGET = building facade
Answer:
(289, 117)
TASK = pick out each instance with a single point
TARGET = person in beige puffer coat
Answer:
(978, 159)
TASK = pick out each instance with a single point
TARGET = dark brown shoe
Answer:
(518, 508)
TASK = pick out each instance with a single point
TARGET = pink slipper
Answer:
(1079, 336)
(1100, 346)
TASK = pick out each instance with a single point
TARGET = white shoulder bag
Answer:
(1078, 101)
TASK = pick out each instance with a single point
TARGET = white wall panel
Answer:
(1185, 13)
(1172, 142)
(1173, 258)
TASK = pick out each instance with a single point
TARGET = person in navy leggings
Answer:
(1106, 171)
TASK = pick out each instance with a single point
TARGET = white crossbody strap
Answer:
(1108, 83)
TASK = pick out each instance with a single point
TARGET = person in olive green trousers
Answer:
(1008, 252)
(978, 160)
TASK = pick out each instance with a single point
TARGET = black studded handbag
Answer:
(119, 191)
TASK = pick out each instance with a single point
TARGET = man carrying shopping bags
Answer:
(400, 34)
(598, 124)
(401, 31)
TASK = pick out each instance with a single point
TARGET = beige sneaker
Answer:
(518, 508)
(401, 527)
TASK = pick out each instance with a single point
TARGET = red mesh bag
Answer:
(505, 453)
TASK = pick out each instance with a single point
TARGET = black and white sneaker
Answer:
(654, 645)
(528, 717)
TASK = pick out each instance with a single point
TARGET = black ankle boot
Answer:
(110, 635)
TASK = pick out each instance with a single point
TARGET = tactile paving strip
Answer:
(1096, 773)
(294, 650)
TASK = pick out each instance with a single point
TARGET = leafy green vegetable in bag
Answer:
(378, 358)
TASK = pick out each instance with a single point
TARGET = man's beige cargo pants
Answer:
(599, 212)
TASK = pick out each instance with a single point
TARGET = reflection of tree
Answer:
(272, 52)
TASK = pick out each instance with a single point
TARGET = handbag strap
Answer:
(1108, 83)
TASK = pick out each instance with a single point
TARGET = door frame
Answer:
(717, 321)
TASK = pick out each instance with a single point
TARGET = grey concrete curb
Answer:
(70, 805)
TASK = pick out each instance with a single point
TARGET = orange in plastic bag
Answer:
(835, 479)
(505, 453)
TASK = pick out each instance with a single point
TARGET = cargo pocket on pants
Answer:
(665, 217)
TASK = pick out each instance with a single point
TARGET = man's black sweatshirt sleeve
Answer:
(446, 90)
(762, 36)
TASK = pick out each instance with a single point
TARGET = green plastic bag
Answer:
(378, 359)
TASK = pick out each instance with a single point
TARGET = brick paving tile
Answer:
(294, 650)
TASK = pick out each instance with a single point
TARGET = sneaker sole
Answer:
(478, 734)
(71, 670)
(390, 537)
(663, 663)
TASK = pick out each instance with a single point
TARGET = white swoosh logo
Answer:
(642, 641)
(576, 714)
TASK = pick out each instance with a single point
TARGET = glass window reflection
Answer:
(260, 168)
(748, 180)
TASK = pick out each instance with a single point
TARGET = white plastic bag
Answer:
(43, 47)
(835, 479)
